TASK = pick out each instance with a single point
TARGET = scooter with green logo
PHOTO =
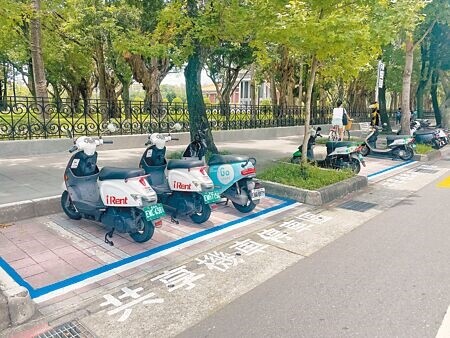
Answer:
(234, 176)
(340, 154)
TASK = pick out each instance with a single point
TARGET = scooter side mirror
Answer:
(318, 129)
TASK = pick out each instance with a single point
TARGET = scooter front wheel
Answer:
(365, 150)
(68, 207)
(201, 215)
(146, 230)
(355, 166)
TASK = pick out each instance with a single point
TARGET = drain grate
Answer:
(357, 206)
(72, 329)
(427, 171)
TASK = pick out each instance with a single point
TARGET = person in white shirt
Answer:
(336, 121)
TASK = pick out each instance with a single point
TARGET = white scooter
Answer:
(183, 187)
(121, 199)
(398, 146)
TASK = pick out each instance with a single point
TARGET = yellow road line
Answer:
(445, 183)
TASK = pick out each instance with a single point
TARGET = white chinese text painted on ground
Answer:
(248, 247)
(126, 308)
(313, 218)
(221, 261)
(274, 235)
(178, 278)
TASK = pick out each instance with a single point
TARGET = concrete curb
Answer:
(17, 211)
(432, 155)
(317, 197)
(16, 305)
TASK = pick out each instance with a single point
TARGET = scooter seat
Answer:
(112, 173)
(222, 159)
(184, 164)
(331, 146)
(391, 138)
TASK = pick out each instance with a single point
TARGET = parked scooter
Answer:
(233, 175)
(440, 139)
(398, 146)
(120, 199)
(340, 154)
(183, 187)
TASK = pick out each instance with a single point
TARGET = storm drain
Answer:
(72, 329)
(427, 171)
(357, 205)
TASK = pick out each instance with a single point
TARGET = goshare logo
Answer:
(225, 173)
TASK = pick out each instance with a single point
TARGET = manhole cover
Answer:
(72, 329)
(357, 205)
(427, 171)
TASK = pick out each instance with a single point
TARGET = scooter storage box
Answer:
(331, 146)
(424, 136)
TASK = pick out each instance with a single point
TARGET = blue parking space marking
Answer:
(390, 168)
(45, 290)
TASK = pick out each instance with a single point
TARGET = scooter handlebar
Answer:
(108, 142)
(74, 148)
(175, 139)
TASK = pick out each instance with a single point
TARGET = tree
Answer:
(37, 58)
(328, 34)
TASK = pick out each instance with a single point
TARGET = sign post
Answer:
(380, 78)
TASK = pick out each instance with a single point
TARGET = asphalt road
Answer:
(387, 278)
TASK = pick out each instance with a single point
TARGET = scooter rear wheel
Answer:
(406, 154)
(203, 215)
(146, 230)
(68, 207)
(355, 165)
(245, 208)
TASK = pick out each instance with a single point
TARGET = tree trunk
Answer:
(406, 87)
(445, 108)
(126, 98)
(300, 86)
(434, 97)
(196, 105)
(309, 90)
(38, 59)
(425, 72)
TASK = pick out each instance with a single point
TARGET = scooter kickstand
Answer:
(174, 220)
(109, 234)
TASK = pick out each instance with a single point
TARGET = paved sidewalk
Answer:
(40, 176)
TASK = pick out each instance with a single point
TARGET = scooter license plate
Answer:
(258, 193)
(154, 211)
(211, 197)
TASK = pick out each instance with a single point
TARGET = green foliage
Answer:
(304, 176)
(265, 102)
(423, 148)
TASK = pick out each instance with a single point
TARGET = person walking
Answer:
(398, 115)
(339, 119)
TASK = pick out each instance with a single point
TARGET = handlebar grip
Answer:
(74, 148)
(147, 143)
(175, 139)
(108, 142)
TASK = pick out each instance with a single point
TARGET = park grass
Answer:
(307, 176)
(422, 149)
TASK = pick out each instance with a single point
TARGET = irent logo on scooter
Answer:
(181, 186)
(116, 200)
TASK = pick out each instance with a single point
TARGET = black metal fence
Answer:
(27, 118)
